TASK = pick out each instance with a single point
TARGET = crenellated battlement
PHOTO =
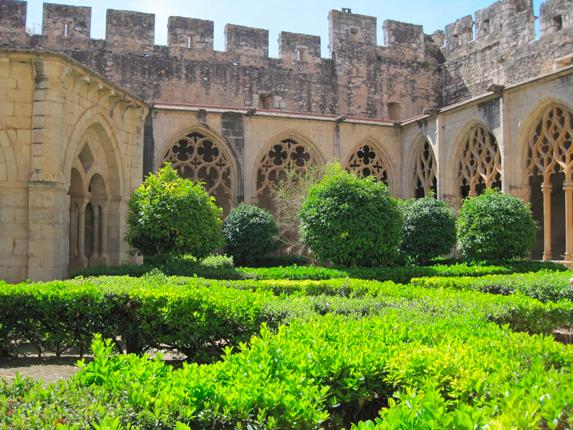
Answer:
(496, 44)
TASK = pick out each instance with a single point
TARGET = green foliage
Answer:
(420, 370)
(171, 216)
(351, 221)
(495, 227)
(199, 316)
(429, 229)
(400, 274)
(544, 286)
(250, 234)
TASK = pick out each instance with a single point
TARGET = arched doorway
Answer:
(199, 157)
(550, 171)
(95, 194)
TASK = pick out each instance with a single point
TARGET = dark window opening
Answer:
(557, 22)
(265, 101)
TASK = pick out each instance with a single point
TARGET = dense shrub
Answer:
(429, 229)
(426, 372)
(250, 234)
(351, 221)
(495, 226)
(172, 216)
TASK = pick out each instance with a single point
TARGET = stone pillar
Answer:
(568, 188)
(523, 192)
(103, 258)
(94, 257)
(48, 230)
(546, 190)
(81, 259)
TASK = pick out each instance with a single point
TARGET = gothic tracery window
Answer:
(550, 145)
(479, 162)
(367, 161)
(550, 169)
(200, 158)
(425, 181)
(288, 154)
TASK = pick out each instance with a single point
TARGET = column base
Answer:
(547, 256)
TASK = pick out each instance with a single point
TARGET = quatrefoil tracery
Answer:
(199, 158)
(286, 155)
(367, 161)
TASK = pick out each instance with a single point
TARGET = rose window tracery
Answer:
(479, 163)
(425, 180)
(367, 161)
(199, 158)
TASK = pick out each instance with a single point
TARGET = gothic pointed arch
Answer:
(478, 163)
(284, 153)
(204, 157)
(425, 181)
(549, 167)
(369, 159)
(95, 193)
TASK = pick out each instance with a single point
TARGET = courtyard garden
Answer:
(390, 315)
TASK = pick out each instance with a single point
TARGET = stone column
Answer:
(94, 257)
(81, 259)
(568, 188)
(103, 257)
(523, 192)
(546, 190)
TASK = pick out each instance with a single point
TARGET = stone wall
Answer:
(358, 78)
(498, 46)
(48, 106)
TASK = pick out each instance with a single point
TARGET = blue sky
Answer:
(299, 16)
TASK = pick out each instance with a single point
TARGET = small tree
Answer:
(288, 195)
(495, 226)
(429, 229)
(171, 216)
(250, 234)
(351, 221)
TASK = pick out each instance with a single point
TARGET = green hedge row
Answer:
(198, 316)
(322, 373)
(222, 268)
(543, 285)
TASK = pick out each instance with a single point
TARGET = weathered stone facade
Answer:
(447, 113)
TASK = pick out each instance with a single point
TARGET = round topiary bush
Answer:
(250, 234)
(350, 221)
(429, 229)
(495, 226)
(170, 216)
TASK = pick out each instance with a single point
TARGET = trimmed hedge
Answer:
(199, 317)
(328, 372)
(220, 267)
(544, 286)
